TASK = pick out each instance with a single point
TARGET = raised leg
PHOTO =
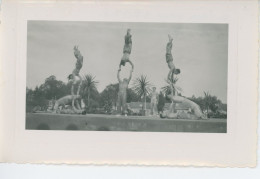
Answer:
(73, 95)
(80, 83)
(124, 105)
(119, 104)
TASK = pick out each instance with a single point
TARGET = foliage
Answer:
(108, 106)
(93, 106)
(142, 87)
(50, 89)
(89, 88)
(217, 114)
(131, 96)
(35, 98)
(108, 97)
(96, 102)
(53, 89)
(161, 102)
(211, 104)
(223, 106)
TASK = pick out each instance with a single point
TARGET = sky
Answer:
(199, 50)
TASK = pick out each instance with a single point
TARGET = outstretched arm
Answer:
(73, 95)
(131, 64)
(170, 75)
(118, 77)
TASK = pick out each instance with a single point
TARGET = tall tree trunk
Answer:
(142, 99)
(145, 102)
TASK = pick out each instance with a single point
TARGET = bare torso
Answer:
(154, 97)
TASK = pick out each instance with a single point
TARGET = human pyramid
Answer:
(123, 84)
(196, 112)
(74, 99)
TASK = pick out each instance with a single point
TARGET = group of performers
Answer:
(76, 81)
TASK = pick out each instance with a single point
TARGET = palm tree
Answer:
(142, 87)
(211, 102)
(89, 85)
(167, 89)
(207, 101)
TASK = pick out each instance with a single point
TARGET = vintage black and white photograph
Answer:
(127, 76)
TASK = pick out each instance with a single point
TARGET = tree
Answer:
(89, 85)
(50, 89)
(131, 96)
(223, 106)
(108, 106)
(214, 104)
(161, 102)
(207, 101)
(211, 102)
(142, 87)
(30, 103)
(108, 97)
(38, 98)
(53, 88)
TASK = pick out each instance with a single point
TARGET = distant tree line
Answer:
(211, 105)
(53, 89)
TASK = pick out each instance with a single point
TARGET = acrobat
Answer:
(196, 111)
(66, 100)
(127, 50)
(122, 93)
(169, 59)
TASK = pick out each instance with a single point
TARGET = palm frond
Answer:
(142, 86)
(167, 88)
(89, 83)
